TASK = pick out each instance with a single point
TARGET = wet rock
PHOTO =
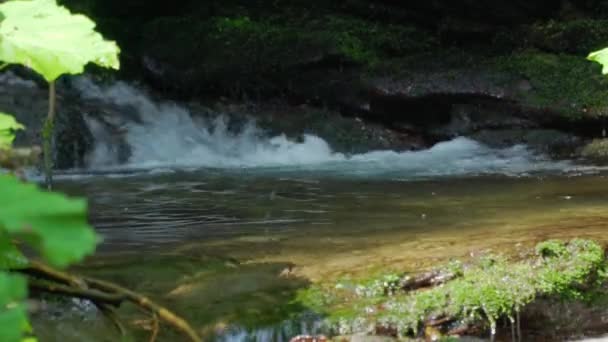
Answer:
(552, 142)
(344, 134)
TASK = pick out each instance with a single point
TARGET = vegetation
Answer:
(29, 34)
(483, 292)
(53, 225)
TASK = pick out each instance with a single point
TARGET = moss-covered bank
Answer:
(482, 293)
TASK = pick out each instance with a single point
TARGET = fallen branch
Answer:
(143, 301)
(102, 293)
(434, 278)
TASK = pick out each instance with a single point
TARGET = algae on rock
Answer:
(489, 289)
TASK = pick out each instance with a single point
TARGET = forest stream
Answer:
(230, 247)
(303, 171)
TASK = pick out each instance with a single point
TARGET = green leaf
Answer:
(54, 224)
(49, 39)
(11, 257)
(8, 126)
(601, 57)
(13, 318)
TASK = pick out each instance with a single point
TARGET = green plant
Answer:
(8, 125)
(47, 38)
(54, 225)
(601, 57)
(50, 40)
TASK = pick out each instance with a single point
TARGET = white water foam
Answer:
(170, 137)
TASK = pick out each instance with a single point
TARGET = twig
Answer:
(110, 313)
(155, 326)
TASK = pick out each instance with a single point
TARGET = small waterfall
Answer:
(170, 136)
(167, 135)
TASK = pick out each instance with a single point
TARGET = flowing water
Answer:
(206, 219)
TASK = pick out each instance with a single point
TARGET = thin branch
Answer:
(92, 295)
(110, 313)
(47, 135)
(85, 285)
(39, 269)
(155, 327)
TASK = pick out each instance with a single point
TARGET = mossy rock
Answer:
(242, 53)
(597, 150)
(488, 289)
(576, 36)
(567, 84)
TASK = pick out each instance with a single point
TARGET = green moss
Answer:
(565, 82)
(489, 289)
(367, 42)
(244, 47)
(551, 248)
(576, 36)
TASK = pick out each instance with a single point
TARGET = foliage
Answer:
(53, 224)
(50, 40)
(50, 223)
(489, 289)
(600, 57)
(13, 318)
(8, 125)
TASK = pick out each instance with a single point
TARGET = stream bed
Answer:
(214, 245)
